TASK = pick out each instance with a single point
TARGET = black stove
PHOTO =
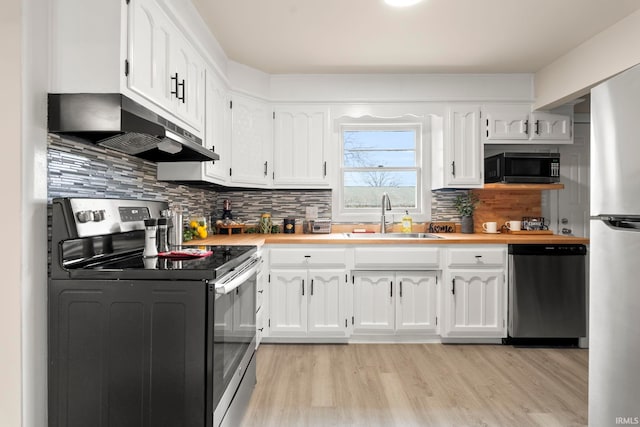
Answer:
(145, 340)
(104, 239)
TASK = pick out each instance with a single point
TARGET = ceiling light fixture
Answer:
(402, 3)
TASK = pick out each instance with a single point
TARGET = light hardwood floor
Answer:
(418, 385)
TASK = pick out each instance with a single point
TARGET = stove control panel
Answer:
(95, 217)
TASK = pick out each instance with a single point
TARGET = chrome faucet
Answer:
(386, 206)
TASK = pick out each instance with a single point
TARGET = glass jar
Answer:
(265, 223)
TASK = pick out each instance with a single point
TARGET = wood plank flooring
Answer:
(418, 385)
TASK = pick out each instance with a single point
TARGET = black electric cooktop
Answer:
(135, 266)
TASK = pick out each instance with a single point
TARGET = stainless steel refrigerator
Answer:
(614, 310)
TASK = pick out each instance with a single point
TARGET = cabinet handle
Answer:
(311, 287)
(261, 329)
(453, 168)
(324, 169)
(182, 85)
(302, 287)
(453, 286)
(391, 289)
(401, 289)
(537, 127)
(526, 127)
(261, 291)
(174, 90)
(265, 168)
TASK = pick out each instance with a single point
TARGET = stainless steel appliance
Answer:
(614, 314)
(145, 341)
(547, 291)
(114, 121)
(522, 168)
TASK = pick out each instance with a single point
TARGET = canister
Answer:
(265, 223)
(289, 225)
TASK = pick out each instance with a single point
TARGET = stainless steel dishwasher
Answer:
(547, 291)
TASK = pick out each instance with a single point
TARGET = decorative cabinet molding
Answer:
(474, 295)
(513, 124)
(307, 293)
(300, 146)
(390, 302)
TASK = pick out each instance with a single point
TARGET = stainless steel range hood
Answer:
(114, 121)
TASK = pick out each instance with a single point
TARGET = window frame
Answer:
(422, 211)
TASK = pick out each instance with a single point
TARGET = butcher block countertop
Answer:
(341, 239)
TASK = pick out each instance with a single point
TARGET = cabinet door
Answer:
(288, 302)
(512, 124)
(299, 146)
(374, 309)
(217, 129)
(550, 126)
(150, 38)
(250, 142)
(463, 153)
(326, 302)
(188, 69)
(475, 304)
(416, 301)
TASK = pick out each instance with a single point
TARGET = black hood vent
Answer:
(114, 121)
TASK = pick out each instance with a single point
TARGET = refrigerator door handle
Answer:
(620, 223)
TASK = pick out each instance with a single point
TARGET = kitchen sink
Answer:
(391, 236)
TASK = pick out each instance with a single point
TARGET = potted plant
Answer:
(465, 204)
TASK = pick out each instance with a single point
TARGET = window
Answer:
(377, 159)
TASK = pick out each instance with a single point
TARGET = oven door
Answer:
(234, 334)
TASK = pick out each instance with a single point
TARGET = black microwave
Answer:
(542, 168)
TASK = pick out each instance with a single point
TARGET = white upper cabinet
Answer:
(188, 82)
(300, 146)
(251, 143)
(548, 126)
(217, 137)
(133, 48)
(513, 124)
(457, 150)
(162, 65)
(150, 36)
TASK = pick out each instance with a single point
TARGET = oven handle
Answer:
(237, 277)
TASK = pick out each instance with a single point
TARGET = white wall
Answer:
(10, 214)
(401, 87)
(32, 225)
(575, 73)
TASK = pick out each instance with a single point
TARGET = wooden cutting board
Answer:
(531, 232)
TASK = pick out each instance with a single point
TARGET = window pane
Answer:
(364, 189)
(378, 148)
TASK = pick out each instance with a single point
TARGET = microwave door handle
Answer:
(234, 279)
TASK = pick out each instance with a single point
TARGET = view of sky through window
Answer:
(378, 161)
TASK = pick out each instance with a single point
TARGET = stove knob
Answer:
(84, 216)
(98, 216)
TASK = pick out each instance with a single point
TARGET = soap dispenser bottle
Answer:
(407, 223)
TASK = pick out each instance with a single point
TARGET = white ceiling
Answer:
(436, 36)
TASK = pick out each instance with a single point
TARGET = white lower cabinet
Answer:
(307, 302)
(388, 302)
(474, 295)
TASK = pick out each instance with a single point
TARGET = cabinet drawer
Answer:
(290, 257)
(396, 257)
(477, 257)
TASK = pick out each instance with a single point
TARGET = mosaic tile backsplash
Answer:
(83, 170)
(76, 169)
